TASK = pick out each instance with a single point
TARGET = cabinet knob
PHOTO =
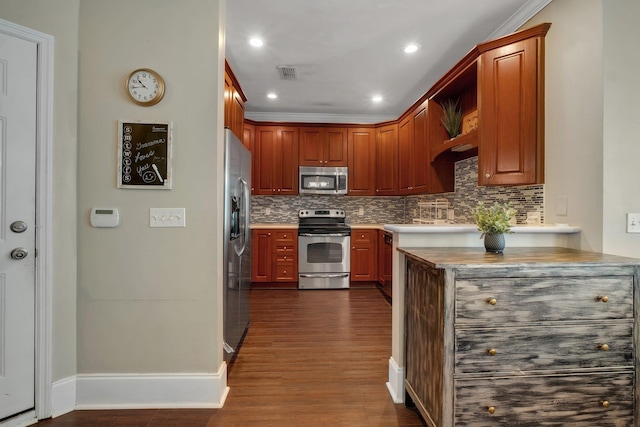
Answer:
(487, 175)
(285, 236)
(285, 257)
(284, 272)
(492, 301)
(604, 403)
(491, 409)
(285, 248)
(602, 298)
(362, 236)
(492, 352)
(278, 190)
(604, 347)
(268, 234)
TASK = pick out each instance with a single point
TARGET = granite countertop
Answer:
(541, 256)
(471, 228)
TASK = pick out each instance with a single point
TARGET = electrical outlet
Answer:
(633, 223)
(361, 211)
(167, 217)
(267, 211)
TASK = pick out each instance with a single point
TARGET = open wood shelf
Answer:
(460, 143)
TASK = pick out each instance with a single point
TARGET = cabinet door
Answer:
(311, 146)
(419, 163)
(363, 255)
(335, 148)
(405, 137)
(237, 114)
(263, 161)
(387, 160)
(510, 142)
(361, 142)
(228, 100)
(286, 161)
(261, 255)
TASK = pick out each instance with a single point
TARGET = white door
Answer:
(17, 224)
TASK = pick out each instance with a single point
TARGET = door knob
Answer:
(19, 253)
(18, 226)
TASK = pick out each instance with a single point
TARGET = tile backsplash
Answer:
(399, 209)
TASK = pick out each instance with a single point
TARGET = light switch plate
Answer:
(633, 223)
(167, 217)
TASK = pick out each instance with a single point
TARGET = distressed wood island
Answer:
(535, 336)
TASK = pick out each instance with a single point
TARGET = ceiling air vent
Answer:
(287, 72)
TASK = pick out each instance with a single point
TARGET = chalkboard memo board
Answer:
(144, 155)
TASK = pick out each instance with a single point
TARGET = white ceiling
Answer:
(346, 51)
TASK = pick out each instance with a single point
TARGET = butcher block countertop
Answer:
(514, 257)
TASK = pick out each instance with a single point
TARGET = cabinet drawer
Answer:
(286, 256)
(559, 346)
(363, 236)
(285, 236)
(285, 272)
(572, 400)
(480, 301)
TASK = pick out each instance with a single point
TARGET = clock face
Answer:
(145, 87)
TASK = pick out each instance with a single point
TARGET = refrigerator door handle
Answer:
(244, 215)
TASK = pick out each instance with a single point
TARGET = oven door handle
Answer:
(323, 235)
(324, 275)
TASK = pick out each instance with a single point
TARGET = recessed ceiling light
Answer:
(256, 42)
(410, 48)
(377, 98)
(272, 95)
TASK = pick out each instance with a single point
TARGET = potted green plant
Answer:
(451, 117)
(493, 221)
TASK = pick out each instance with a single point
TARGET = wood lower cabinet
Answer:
(274, 255)
(364, 255)
(532, 339)
(275, 161)
(385, 261)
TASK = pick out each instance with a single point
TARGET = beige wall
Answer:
(60, 19)
(148, 297)
(573, 115)
(621, 118)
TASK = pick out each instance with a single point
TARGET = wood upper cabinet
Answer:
(364, 255)
(234, 100)
(276, 160)
(510, 112)
(362, 161)
(320, 146)
(387, 160)
(413, 153)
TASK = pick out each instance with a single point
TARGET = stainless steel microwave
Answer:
(323, 180)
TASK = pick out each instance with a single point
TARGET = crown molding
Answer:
(522, 15)
(317, 118)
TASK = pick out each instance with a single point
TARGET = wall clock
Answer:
(145, 87)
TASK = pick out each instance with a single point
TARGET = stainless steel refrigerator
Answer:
(237, 242)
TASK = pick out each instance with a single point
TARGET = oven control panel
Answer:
(321, 213)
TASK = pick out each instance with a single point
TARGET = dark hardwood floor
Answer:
(310, 358)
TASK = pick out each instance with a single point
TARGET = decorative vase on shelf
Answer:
(494, 243)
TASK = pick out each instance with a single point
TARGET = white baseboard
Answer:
(140, 391)
(396, 382)
(63, 396)
(22, 420)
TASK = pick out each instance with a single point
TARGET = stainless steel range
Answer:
(323, 249)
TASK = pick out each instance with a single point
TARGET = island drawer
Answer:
(504, 300)
(602, 399)
(512, 350)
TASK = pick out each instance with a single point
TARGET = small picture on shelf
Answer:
(451, 117)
